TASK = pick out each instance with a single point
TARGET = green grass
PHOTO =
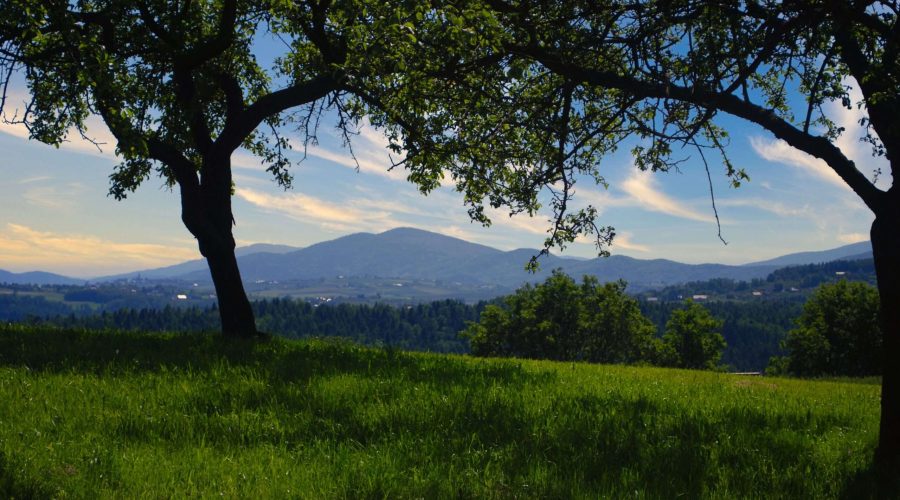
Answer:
(88, 415)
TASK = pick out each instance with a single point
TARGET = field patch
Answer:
(128, 415)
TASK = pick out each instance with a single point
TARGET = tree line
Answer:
(565, 321)
(433, 326)
(834, 333)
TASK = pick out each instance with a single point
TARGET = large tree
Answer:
(575, 79)
(180, 86)
(564, 321)
(837, 334)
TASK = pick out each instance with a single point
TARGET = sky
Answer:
(56, 216)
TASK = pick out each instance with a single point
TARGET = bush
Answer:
(561, 320)
(837, 334)
(691, 339)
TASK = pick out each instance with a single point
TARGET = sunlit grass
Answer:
(126, 415)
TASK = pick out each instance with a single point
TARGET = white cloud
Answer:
(853, 237)
(241, 159)
(645, 194)
(623, 240)
(39, 178)
(781, 152)
(23, 249)
(518, 222)
(96, 130)
(310, 209)
(55, 197)
(849, 143)
(774, 207)
(364, 162)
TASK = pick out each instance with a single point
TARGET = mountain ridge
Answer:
(409, 253)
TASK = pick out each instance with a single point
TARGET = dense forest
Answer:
(753, 326)
(752, 330)
(423, 327)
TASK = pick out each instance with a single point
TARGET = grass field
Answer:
(124, 415)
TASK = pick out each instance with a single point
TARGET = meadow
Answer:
(108, 414)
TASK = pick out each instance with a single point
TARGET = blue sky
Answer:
(56, 215)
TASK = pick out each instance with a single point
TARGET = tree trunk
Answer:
(234, 307)
(885, 236)
(206, 212)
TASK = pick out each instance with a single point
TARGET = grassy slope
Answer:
(130, 416)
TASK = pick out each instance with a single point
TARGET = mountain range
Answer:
(406, 253)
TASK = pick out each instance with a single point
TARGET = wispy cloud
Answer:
(623, 240)
(773, 207)
(61, 197)
(314, 210)
(853, 237)
(781, 152)
(39, 178)
(96, 130)
(849, 143)
(23, 248)
(641, 190)
(368, 152)
(518, 222)
(645, 193)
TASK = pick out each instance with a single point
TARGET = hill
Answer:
(123, 415)
(853, 251)
(430, 266)
(38, 278)
(443, 261)
(197, 265)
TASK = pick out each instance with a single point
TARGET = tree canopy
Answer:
(837, 333)
(562, 320)
(575, 79)
(692, 338)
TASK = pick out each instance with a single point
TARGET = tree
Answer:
(561, 320)
(576, 78)
(178, 84)
(837, 333)
(691, 339)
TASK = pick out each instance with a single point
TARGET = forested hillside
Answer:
(753, 323)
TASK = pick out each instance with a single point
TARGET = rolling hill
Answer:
(414, 254)
(407, 253)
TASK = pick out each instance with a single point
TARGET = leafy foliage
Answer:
(561, 320)
(838, 333)
(424, 327)
(692, 338)
(753, 330)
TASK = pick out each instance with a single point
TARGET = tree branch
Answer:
(217, 45)
(817, 146)
(243, 124)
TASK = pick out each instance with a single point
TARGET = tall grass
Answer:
(88, 414)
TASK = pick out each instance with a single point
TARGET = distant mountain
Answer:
(38, 278)
(853, 251)
(264, 248)
(406, 253)
(398, 253)
(414, 254)
(198, 265)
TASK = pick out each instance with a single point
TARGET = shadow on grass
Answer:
(874, 482)
(581, 442)
(13, 486)
(112, 352)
